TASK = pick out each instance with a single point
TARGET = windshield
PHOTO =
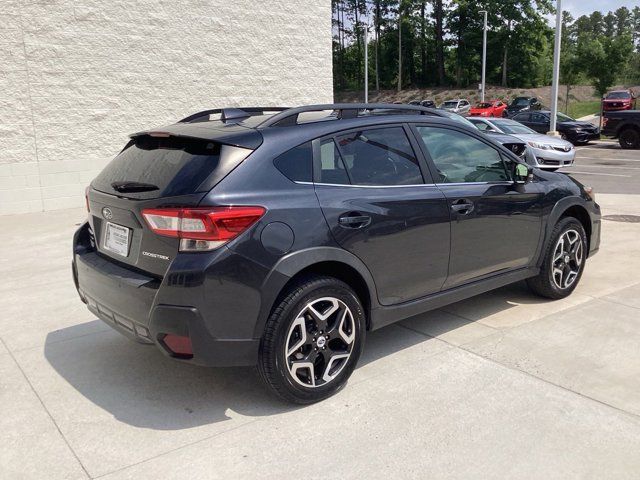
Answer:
(614, 95)
(520, 102)
(483, 105)
(561, 117)
(450, 104)
(512, 127)
(458, 118)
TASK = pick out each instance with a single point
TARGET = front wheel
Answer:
(563, 262)
(312, 340)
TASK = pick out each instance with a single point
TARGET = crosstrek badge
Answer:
(155, 255)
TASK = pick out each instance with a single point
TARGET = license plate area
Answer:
(116, 239)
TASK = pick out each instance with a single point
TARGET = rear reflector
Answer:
(202, 228)
(178, 345)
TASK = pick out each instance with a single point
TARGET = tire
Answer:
(291, 341)
(559, 277)
(629, 138)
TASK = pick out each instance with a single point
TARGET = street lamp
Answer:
(556, 71)
(366, 63)
(484, 54)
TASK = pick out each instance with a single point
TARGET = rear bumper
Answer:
(145, 308)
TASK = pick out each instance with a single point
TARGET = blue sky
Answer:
(585, 7)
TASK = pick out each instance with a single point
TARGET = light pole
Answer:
(556, 71)
(484, 54)
(366, 63)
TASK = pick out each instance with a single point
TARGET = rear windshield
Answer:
(173, 165)
(520, 102)
(483, 105)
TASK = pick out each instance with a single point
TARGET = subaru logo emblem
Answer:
(107, 213)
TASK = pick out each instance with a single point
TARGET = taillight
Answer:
(86, 198)
(201, 229)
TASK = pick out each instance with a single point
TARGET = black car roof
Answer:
(244, 127)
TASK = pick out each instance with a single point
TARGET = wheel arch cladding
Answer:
(327, 261)
(580, 213)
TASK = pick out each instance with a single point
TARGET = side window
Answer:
(482, 126)
(522, 117)
(331, 168)
(538, 118)
(296, 164)
(381, 156)
(461, 158)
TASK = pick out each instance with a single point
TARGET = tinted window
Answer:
(538, 118)
(522, 117)
(331, 168)
(296, 164)
(461, 158)
(176, 166)
(380, 156)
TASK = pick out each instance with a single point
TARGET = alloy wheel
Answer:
(568, 256)
(319, 342)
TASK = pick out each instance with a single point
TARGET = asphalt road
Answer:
(607, 168)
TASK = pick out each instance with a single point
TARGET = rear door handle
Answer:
(462, 206)
(354, 220)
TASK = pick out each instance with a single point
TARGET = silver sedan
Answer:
(543, 151)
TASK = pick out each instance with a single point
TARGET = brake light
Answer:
(86, 198)
(201, 229)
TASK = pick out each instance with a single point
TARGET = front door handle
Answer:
(462, 206)
(354, 220)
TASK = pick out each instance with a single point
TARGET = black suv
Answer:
(522, 104)
(276, 237)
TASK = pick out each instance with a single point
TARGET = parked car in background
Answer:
(510, 142)
(623, 125)
(423, 103)
(570, 129)
(461, 106)
(618, 100)
(542, 151)
(261, 237)
(494, 108)
(523, 104)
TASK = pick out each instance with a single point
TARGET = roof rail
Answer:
(234, 113)
(289, 117)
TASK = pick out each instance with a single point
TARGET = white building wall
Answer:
(77, 76)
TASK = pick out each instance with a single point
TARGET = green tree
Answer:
(604, 58)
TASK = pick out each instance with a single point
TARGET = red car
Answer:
(618, 100)
(494, 108)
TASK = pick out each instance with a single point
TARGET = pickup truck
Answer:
(623, 125)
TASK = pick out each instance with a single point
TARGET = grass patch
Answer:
(582, 109)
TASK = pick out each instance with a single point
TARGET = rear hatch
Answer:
(154, 170)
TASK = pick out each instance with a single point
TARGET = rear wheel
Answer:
(563, 262)
(312, 340)
(629, 138)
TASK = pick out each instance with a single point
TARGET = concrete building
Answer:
(77, 76)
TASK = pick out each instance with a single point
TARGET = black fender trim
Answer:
(558, 210)
(290, 265)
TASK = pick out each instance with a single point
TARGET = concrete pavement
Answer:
(503, 385)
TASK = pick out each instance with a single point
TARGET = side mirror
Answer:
(523, 173)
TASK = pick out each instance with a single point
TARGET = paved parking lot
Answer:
(503, 385)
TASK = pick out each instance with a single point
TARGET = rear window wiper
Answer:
(129, 187)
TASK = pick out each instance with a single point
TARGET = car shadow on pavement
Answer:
(138, 385)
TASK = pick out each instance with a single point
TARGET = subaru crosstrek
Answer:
(279, 237)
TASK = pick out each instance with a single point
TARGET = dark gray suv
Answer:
(279, 237)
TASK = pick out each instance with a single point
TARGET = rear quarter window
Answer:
(297, 163)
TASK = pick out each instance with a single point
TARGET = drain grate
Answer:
(623, 218)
